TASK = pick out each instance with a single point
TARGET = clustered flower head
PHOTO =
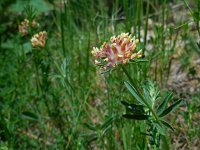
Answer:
(119, 51)
(39, 40)
(23, 27)
(34, 24)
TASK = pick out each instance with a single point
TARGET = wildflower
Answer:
(39, 40)
(23, 27)
(34, 24)
(119, 51)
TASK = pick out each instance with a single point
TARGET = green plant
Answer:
(145, 110)
(118, 53)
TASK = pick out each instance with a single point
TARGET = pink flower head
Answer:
(39, 40)
(23, 27)
(119, 51)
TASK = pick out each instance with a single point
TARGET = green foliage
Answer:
(134, 92)
(39, 5)
(146, 111)
(162, 106)
(29, 116)
(170, 108)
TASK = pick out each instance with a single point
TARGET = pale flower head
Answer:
(23, 27)
(34, 24)
(119, 51)
(39, 40)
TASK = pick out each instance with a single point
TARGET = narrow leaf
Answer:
(29, 115)
(147, 96)
(107, 123)
(133, 108)
(167, 125)
(125, 103)
(139, 60)
(163, 105)
(142, 60)
(170, 108)
(89, 127)
(89, 137)
(106, 71)
(134, 92)
(136, 117)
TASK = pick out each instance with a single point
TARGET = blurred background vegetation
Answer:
(68, 104)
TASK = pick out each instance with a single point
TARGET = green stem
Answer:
(129, 77)
(37, 72)
(110, 111)
(143, 99)
(62, 32)
(146, 24)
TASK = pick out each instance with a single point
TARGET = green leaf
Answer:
(163, 105)
(29, 115)
(106, 71)
(107, 123)
(125, 103)
(140, 60)
(160, 129)
(27, 47)
(170, 108)
(89, 137)
(89, 127)
(136, 117)
(147, 96)
(134, 92)
(166, 124)
(133, 108)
